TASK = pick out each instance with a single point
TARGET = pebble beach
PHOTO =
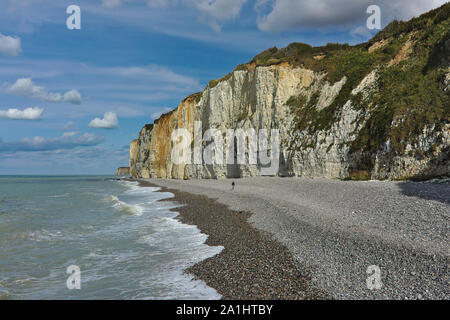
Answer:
(291, 238)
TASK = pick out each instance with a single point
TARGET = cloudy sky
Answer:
(72, 100)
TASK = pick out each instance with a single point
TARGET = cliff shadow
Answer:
(211, 171)
(433, 182)
(233, 171)
(285, 166)
(440, 55)
(427, 190)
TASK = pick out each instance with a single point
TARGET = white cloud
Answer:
(111, 4)
(213, 12)
(363, 31)
(152, 72)
(26, 88)
(156, 115)
(161, 3)
(261, 4)
(72, 96)
(11, 46)
(67, 141)
(109, 121)
(70, 134)
(292, 14)
(27, 114)
(19, 4)
(68, 126)
(220, 10)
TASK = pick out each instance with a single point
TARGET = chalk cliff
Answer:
(378, 110)
(123, 171)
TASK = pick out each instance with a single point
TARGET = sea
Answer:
(95, 237)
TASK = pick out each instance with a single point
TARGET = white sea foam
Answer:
(177, 244)
(42, 235)
(134, 188)
(127, 243)
(133, 209)
(25, 280)
(60, 195)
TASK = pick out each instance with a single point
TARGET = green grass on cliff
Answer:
(352, 62)
(410, 93)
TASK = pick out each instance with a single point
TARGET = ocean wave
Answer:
(134, 187)
(133, 209)
(41, 235)
(172, 236)
(129, 184)
(60, 195)
(122, 255)
(25, 281)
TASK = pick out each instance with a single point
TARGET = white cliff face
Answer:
(447, 81)
(251, 99)
(367, 85)
(434, 162)
(329, 157)
(123, 171)
(256, 98)
(328, 93)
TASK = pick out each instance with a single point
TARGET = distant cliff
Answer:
(123, 171)
(377, 110)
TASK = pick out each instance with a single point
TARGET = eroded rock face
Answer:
(256, 98)
(377, 110)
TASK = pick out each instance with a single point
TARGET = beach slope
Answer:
(334, 230)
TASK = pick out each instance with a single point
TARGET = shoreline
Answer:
(334, 230)
(252, 265)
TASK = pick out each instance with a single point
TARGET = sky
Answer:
(71, 100)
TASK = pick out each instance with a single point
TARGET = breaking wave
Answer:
(133, 209)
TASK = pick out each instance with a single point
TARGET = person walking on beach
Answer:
(232, 185)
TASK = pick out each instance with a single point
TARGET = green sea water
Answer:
(126, 244)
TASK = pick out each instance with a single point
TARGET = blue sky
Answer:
(72, 100)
